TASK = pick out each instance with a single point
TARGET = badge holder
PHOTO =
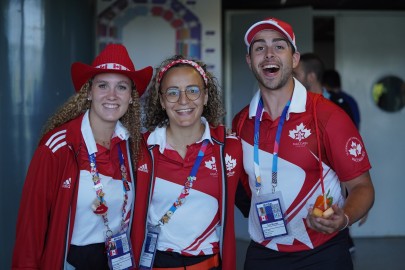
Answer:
(119, 252)
(149, 247)
(269, 209)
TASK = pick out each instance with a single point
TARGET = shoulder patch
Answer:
(355, 149)
(56, 141)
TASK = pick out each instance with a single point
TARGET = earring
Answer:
(88, 98)
(130, 102)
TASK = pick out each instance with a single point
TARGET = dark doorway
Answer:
(324, 39)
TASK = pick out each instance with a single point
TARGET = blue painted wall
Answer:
(38, 42)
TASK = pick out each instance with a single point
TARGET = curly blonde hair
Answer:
(79, 104)
(157, 117)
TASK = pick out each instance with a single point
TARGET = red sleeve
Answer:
(344, 147)
(143, 172)
(243, 192)
(239, 120)
(233, 148)
(35, 204)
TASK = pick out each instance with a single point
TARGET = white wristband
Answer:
(347, 222)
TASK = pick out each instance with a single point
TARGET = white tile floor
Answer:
(370, 253)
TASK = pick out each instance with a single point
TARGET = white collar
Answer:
(298, 100)
(120, 131)
(158, 136)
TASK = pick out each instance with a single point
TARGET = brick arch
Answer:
(186, 24)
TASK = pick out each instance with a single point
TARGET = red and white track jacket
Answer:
(48, 201)
(228, 183)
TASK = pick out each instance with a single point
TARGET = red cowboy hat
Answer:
(113, 59)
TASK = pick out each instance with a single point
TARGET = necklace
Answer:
(181, 148)
(183, 144)
(104, 143)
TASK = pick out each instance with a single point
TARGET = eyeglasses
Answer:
(172, 94)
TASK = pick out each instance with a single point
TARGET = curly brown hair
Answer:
(157, 117)
(79, 104)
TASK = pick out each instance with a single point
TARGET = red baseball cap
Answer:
(113, 59)
(274, 24)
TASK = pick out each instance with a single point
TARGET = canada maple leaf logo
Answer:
(355, 149)
(210, 164)
(230, 162)
(299, 133)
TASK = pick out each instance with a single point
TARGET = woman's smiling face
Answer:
(185, 112)
(110, 94)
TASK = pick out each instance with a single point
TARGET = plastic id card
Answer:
(271, 218)
(149, 248)
(119, 252)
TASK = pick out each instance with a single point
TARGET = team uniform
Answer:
(59, 191)
(343, 158)
(204, 224)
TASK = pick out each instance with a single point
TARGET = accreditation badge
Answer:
(149, 247)
(270, 215)
(119, 252)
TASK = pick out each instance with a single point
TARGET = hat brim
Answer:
(81, 73)
(265, 25)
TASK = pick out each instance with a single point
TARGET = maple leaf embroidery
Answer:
(210, 164)
(230, 163)
(299, 133)
(355, 149)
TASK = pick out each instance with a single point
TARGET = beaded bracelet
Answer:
(347, 222)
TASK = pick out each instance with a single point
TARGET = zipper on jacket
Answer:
(67, 242)
(224, 191)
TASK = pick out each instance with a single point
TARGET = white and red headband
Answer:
(183, 61)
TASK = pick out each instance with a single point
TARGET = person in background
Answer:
(78, 196)
(310, 71)
(188, 176)
(297, 149)
(331, 81)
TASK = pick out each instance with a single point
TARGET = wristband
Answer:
(347, 222)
